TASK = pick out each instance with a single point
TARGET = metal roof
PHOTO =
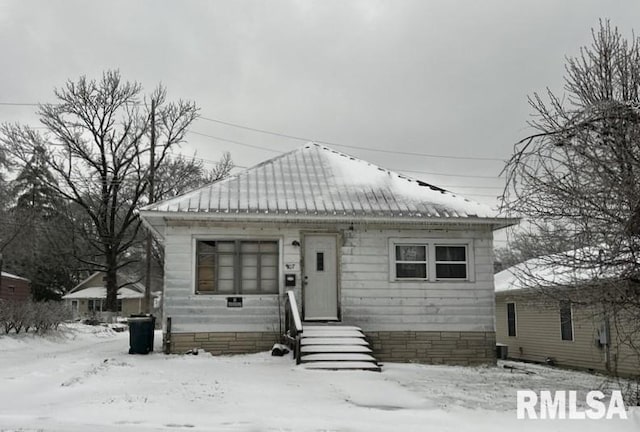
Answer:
(315, 180)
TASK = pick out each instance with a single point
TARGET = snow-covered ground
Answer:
(83, 379)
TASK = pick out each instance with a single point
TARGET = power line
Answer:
(304, 139)
(299, 138)
(235, 142)
(446, 175)
(19, 104)
(471, 187)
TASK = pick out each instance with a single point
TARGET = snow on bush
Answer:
(26, 315)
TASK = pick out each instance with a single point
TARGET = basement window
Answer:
(237, 267)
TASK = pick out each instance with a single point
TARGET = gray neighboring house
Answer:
(548, 327)
(409, 263)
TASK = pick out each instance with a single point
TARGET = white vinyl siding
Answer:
(373, 298)
(369, 295)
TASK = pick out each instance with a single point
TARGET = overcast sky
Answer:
(445, 78)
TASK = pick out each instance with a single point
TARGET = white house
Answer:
(407, 262)
(88, 298)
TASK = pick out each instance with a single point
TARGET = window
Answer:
(566, 321)
(451, 262)
(94, 305)
(320, 261)
(433, 260)
(411, 261)
(511, 319)
(237, 267)
(99, 305)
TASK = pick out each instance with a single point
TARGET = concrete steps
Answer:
(335, 347)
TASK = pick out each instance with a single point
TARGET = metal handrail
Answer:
(292, 325)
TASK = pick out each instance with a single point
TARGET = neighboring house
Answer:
(539, 322)
(88, 298)
(14, 288)
(409, 263)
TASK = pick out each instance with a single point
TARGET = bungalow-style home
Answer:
(14, 288)
(360, 247)
(544, 313)
(87, 299)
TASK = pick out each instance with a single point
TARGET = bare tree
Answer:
(99, 152)
(179, 175)
(580, 170)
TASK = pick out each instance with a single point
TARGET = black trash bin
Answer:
(141, 329)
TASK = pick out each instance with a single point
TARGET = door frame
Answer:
(338, 237)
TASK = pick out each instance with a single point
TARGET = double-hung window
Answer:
(451, 261)
(237, 267)
(411, 261)
(430, 260)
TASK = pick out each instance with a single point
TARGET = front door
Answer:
(320, 279)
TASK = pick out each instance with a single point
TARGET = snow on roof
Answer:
(99, 281)
(548, 271)
(315, 180)
(12, 276)
(101, 293)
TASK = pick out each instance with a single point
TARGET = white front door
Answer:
(320, 279)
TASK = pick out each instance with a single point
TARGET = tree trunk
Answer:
(111, 282)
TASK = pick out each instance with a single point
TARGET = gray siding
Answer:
(538, 335)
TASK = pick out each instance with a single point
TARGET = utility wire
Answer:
(235, 142)
(347, 145)
(391, 169)
(304, 139)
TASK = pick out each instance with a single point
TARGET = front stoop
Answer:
(336, 348)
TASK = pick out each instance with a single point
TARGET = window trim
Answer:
(515, 320)
(240, 238)
(431, 243)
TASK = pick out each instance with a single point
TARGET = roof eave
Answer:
(160, 218)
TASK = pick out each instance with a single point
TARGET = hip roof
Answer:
(317, 181)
